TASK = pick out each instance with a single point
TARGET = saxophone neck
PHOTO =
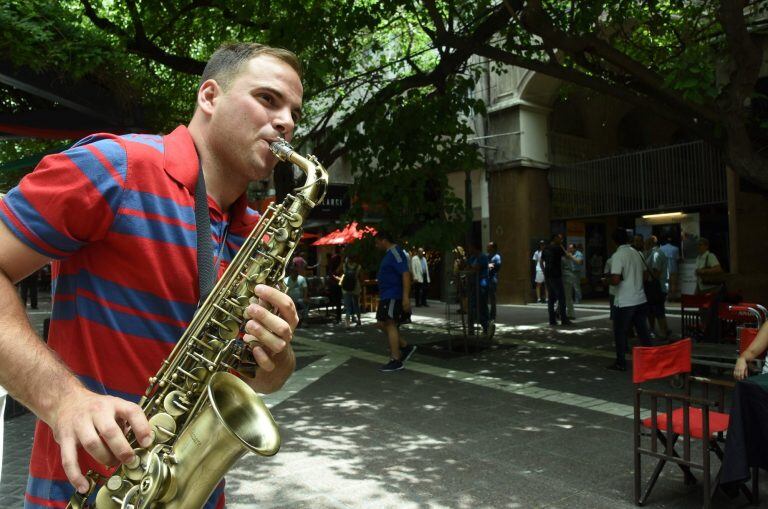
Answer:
(317, 177)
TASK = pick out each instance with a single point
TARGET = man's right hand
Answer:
(97, 423)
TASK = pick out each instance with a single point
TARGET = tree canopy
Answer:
(388, 84)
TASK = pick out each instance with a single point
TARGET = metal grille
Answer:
(690, 174)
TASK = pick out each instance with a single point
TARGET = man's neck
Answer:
(220, 184)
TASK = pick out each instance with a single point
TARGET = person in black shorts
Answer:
(394, 280)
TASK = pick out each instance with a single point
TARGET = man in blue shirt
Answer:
(394, 280)
(494, 265)
(672, 252)
(477, 288)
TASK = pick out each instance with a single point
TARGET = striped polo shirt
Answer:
(116, 215)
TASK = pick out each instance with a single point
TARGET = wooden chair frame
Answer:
(669, 438)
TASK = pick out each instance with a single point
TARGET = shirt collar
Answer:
(182, 164)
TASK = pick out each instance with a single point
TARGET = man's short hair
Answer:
(704, 241)
(554, 236)
(620, 236)
(384, 234)
(493, 245)
(227, 61)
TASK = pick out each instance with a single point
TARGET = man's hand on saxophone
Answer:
(98, 424)
(271, 333)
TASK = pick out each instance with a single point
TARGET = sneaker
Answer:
(567, 322)
(491, 329)
(616, 367)
(392, 365)
(407, 352)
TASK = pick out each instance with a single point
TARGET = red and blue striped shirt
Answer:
(116, 214)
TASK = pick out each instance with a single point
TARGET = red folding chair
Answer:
(691, 309)
(694, 417)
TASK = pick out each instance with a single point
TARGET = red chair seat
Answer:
(717, 422)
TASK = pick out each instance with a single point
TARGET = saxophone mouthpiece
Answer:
(281, 148)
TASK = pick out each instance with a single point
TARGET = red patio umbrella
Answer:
(347, 235)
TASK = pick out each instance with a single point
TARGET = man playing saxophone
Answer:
(116, 216)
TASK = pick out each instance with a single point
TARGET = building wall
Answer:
(519, 215)
(747, 210)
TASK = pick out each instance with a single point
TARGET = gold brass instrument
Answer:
(203, 417)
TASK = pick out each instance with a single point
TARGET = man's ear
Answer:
(207, 96)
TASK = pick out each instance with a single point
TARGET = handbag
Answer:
(713, 278)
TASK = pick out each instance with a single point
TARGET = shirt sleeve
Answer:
(70, 199)
(713, 261)
(403, 266)
(617, 265)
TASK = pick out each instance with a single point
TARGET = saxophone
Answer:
(203, 417)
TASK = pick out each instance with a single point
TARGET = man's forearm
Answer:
(30, 371)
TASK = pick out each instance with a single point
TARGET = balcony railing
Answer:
(686, 175)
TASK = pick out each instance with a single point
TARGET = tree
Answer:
(388, 84)
(694, 63)
(370, 76)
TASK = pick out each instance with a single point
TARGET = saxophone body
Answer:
(203, 417)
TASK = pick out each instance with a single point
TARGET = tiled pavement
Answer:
(532, 421)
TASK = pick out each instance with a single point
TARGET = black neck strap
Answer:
(204, 244)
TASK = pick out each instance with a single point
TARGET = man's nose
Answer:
(284, 124)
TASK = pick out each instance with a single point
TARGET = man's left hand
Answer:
(270, 333)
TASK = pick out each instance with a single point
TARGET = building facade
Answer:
(561, 159)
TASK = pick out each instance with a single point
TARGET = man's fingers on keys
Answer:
(68, 447)
(264, 361)
(134, 415)
(282, 304)
(113, 437)
(89, 438)
(262, 319)
(264, 337)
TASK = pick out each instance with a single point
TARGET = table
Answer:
(746, 445)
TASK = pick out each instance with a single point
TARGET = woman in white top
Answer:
(541, 289)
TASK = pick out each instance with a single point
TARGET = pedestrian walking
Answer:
(351, 286)
(334, 282)
(672, 252)
(298, 290)
(477, 288)
(581, 272)
(426, 280)
(657, 266)
(571, 279)
(28, 289)
(420, 274)
(494, 266)
(394, 280)
(552, 261)
(628, 274)
(114, 212)
(538, 275)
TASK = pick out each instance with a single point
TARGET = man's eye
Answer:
(268, 98)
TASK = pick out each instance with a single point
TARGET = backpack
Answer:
(349, 282)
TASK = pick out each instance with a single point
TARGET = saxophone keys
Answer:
(134, 470)
(163, 427)
(295, 220)
(281, 234)
(110, 499)
(172, 403)
(229, 329)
